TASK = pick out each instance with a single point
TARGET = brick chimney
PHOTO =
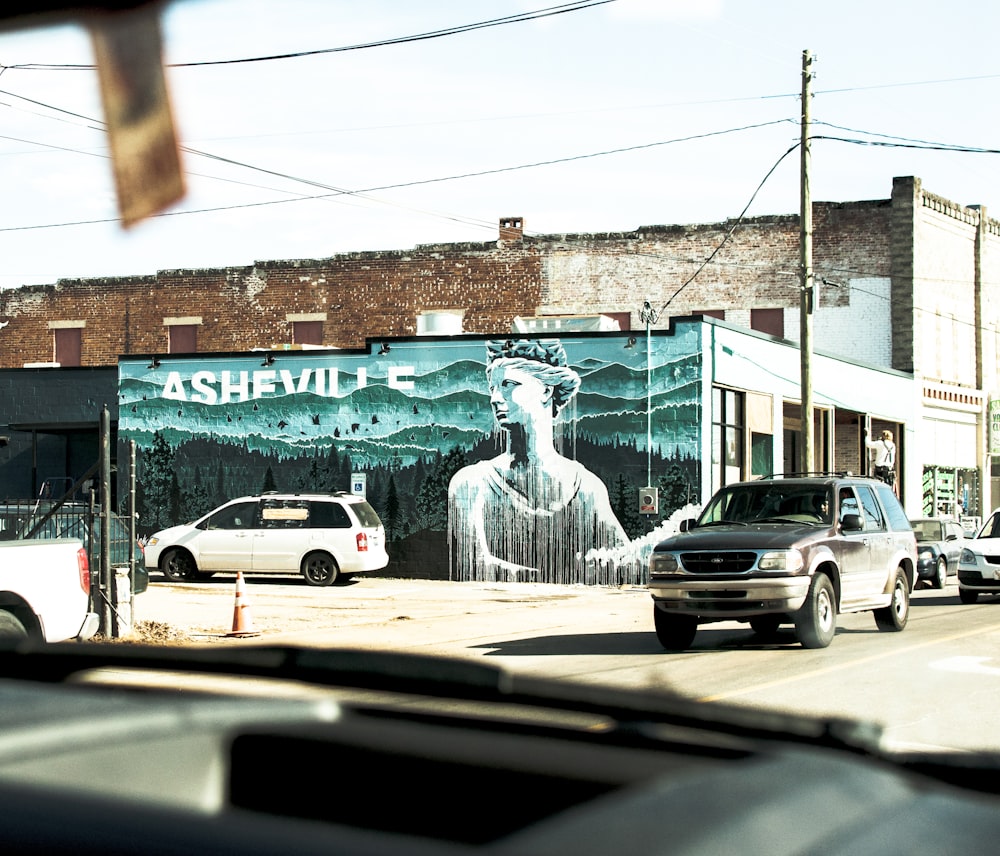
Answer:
(511, 228)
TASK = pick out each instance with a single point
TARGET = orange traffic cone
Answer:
(242, 622)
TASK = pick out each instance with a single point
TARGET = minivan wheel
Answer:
(178, 566)
(319, 569)
(816, 621)
(893, 616)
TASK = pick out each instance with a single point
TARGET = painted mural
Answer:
(486, 458)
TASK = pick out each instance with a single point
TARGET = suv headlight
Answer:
(781, 560)
(967, 557)
(663, 563)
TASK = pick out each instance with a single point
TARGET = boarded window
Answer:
(284, 515)
(770, 321)
(68, 345)
(307, 332)
(183, 338)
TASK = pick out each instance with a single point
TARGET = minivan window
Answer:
(366, 514)
(284, 514)
(328, 515)
(240, 515)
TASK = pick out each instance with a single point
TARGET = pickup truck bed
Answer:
(45, 591)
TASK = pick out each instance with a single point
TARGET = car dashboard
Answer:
(277, 750)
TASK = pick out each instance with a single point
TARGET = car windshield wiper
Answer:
(722, 523)
(778, 520)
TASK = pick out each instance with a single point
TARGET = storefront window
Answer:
(728, 435)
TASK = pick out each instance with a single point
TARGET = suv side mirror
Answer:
(851, 523)
(687, 524)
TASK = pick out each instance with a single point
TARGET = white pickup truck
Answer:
(45, 591)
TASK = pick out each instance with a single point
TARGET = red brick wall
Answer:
(363, 295)
(373, 295)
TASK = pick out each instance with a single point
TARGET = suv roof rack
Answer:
(802, 475)
(294, 493)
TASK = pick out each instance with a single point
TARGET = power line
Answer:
(729, 234)
(398, 40)
(940, 147)
(400, 185)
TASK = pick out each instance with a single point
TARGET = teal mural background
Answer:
(211, 427)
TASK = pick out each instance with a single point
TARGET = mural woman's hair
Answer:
(544, 358)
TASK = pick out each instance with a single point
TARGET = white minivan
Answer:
(323, 536)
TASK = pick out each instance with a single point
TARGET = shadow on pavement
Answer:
(575, 643)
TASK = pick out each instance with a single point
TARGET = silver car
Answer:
(979, 563)
(940, 541)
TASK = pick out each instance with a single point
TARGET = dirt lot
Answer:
(427, 615)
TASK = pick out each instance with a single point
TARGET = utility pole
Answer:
(107, 575)
(649, 316)
(807, 285)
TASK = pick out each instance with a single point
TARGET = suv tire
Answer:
(816, 621)
(766, 626)
(893, 617)
(675, 632)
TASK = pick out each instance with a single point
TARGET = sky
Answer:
(607, 116)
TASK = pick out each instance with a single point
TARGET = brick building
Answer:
(907, 283)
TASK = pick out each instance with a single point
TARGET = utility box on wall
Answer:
(649, 500)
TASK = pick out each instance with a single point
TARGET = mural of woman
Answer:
(530, 513)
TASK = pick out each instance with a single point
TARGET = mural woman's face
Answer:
(518, 397)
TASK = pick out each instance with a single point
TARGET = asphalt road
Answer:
(935, 684)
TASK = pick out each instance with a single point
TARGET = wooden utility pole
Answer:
(807, 285)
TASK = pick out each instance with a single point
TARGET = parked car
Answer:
(979, 563)
(48, 519)
(781, 550)
(939, 544)
(323, 536)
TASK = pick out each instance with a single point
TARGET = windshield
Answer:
(396, 254)
(928, 530)
(769, 501)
